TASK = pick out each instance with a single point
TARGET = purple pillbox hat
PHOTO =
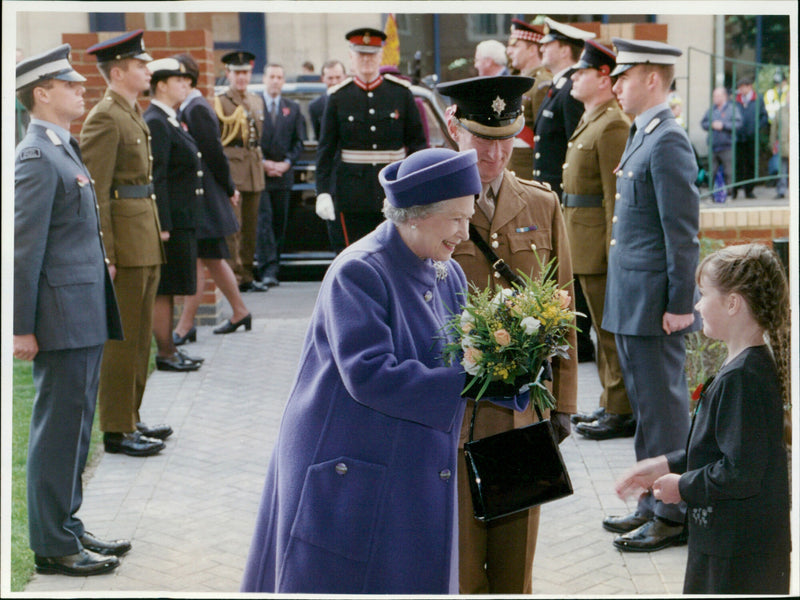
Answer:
(431, 175)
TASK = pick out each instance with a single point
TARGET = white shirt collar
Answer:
(192, 95)
(167, 109)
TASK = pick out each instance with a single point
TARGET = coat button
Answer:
(341, 468)
(374, 146)
(150, 157)
(496, 275)
(199, 173)
(495, 244)
(617, 196)
(370, 94)
(612, 243)
(108, 261)
(445, 474)
(533, 247)
(428, 296)
(494, 235)
(565, 165)
(630, 173)
(537, 155)
(614, 219)
(580, 146)
(569, 145)
(153, 196)
(372, 128)
(536, 138)
(351, 118)
(101, 234)
(199, 154)
(619, 173)
(372, 111)
(138, 141)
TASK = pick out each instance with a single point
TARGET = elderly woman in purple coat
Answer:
(360, 494)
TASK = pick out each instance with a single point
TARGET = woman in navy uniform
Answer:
(177, 178)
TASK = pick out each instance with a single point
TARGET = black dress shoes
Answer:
(110, 548)
(132, 444)
(253, 286)
(177, 362)
(270, 281)
(159, 432)
(607, 427)
(184, 356)
(625, 523)
(81, 564)
(229, 326)
(180, 340)
(587, 417)
(656, 534)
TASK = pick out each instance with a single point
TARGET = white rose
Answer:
(466, 317)
(467, 342)
(530, 325)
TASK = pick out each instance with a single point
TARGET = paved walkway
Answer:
(190, 510)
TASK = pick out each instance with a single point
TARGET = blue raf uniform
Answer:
(64, 297)
(652, 258)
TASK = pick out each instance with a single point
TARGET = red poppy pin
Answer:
(82, 179)
(395, 114)
(185, 128)
(697, 392)
(285, 111)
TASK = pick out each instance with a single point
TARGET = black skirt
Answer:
(213, 248)
(179, 273)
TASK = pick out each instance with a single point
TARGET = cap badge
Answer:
(498, 105)
(366, 39)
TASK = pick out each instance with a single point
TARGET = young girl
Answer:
(733, 474)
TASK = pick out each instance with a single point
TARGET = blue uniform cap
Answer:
(127, 45)
(52, 64)
(431, 175)
(637, 52)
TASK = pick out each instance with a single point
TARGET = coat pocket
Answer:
(338, 506)
(61, 275)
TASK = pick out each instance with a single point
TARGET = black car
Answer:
(307, 250)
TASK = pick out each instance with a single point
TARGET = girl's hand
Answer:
(666, 488)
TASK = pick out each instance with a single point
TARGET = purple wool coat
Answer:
(360, 494)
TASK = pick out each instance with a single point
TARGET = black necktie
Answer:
(632, 134)
(74, 143)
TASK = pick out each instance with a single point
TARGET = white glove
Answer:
(325, 207)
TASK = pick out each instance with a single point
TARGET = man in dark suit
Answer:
(64, 311)
(370, 121)
(650, 291)
(281, 144)
(115, 142)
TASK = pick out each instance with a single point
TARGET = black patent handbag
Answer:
(515, 470)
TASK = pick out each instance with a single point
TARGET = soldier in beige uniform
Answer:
(115, 143)
(593, 152)
(519, 219)
(241, 117)
(526, 57)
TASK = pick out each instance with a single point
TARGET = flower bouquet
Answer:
(508, 335)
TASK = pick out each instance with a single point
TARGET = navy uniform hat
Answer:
(489, 107)
(127, 45)
(192, 70)
(553, 30)
(637, 52)
(165, 68)
(596, 56)
(52, 64)
(431, 175)
(239, 60)
(520, 30)
(366, 40)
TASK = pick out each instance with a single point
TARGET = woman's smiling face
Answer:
(438, 234)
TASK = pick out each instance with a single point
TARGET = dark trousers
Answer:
(653, 369)
(61, 427)
(273, 215)
(358, 224)
(746, 165)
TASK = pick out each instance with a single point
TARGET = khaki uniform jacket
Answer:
(533, 98)
(593, 152)
(245, 158)
(525, 204)
(115, 144)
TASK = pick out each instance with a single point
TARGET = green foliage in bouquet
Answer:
(508, 335)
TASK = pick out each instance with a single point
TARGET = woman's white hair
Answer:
(418, 211)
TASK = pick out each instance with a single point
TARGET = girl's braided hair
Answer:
(756, 273)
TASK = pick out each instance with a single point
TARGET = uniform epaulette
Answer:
(398, 80)
(340, 85)
(545, 84)
(540, 184)
(652, 125)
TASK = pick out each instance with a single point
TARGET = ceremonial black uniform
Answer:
(371, 125)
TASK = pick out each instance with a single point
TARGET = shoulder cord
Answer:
(233, 125)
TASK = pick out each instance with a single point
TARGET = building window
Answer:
(483, 27)
(165, 21)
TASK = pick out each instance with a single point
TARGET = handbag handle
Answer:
(475, 411)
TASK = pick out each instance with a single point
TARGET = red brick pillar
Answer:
(159, 44)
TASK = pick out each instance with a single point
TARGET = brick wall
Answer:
(159, 44)
(742, 225)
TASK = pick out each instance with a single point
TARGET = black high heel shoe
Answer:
(191, 336)
(229, 327)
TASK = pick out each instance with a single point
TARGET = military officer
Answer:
(64, 311)
(590, 186)
(518, 220)
(526, 57)
(241, 117)
(651, 292)
(372, 120)
(559, 112)
(115, 142)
